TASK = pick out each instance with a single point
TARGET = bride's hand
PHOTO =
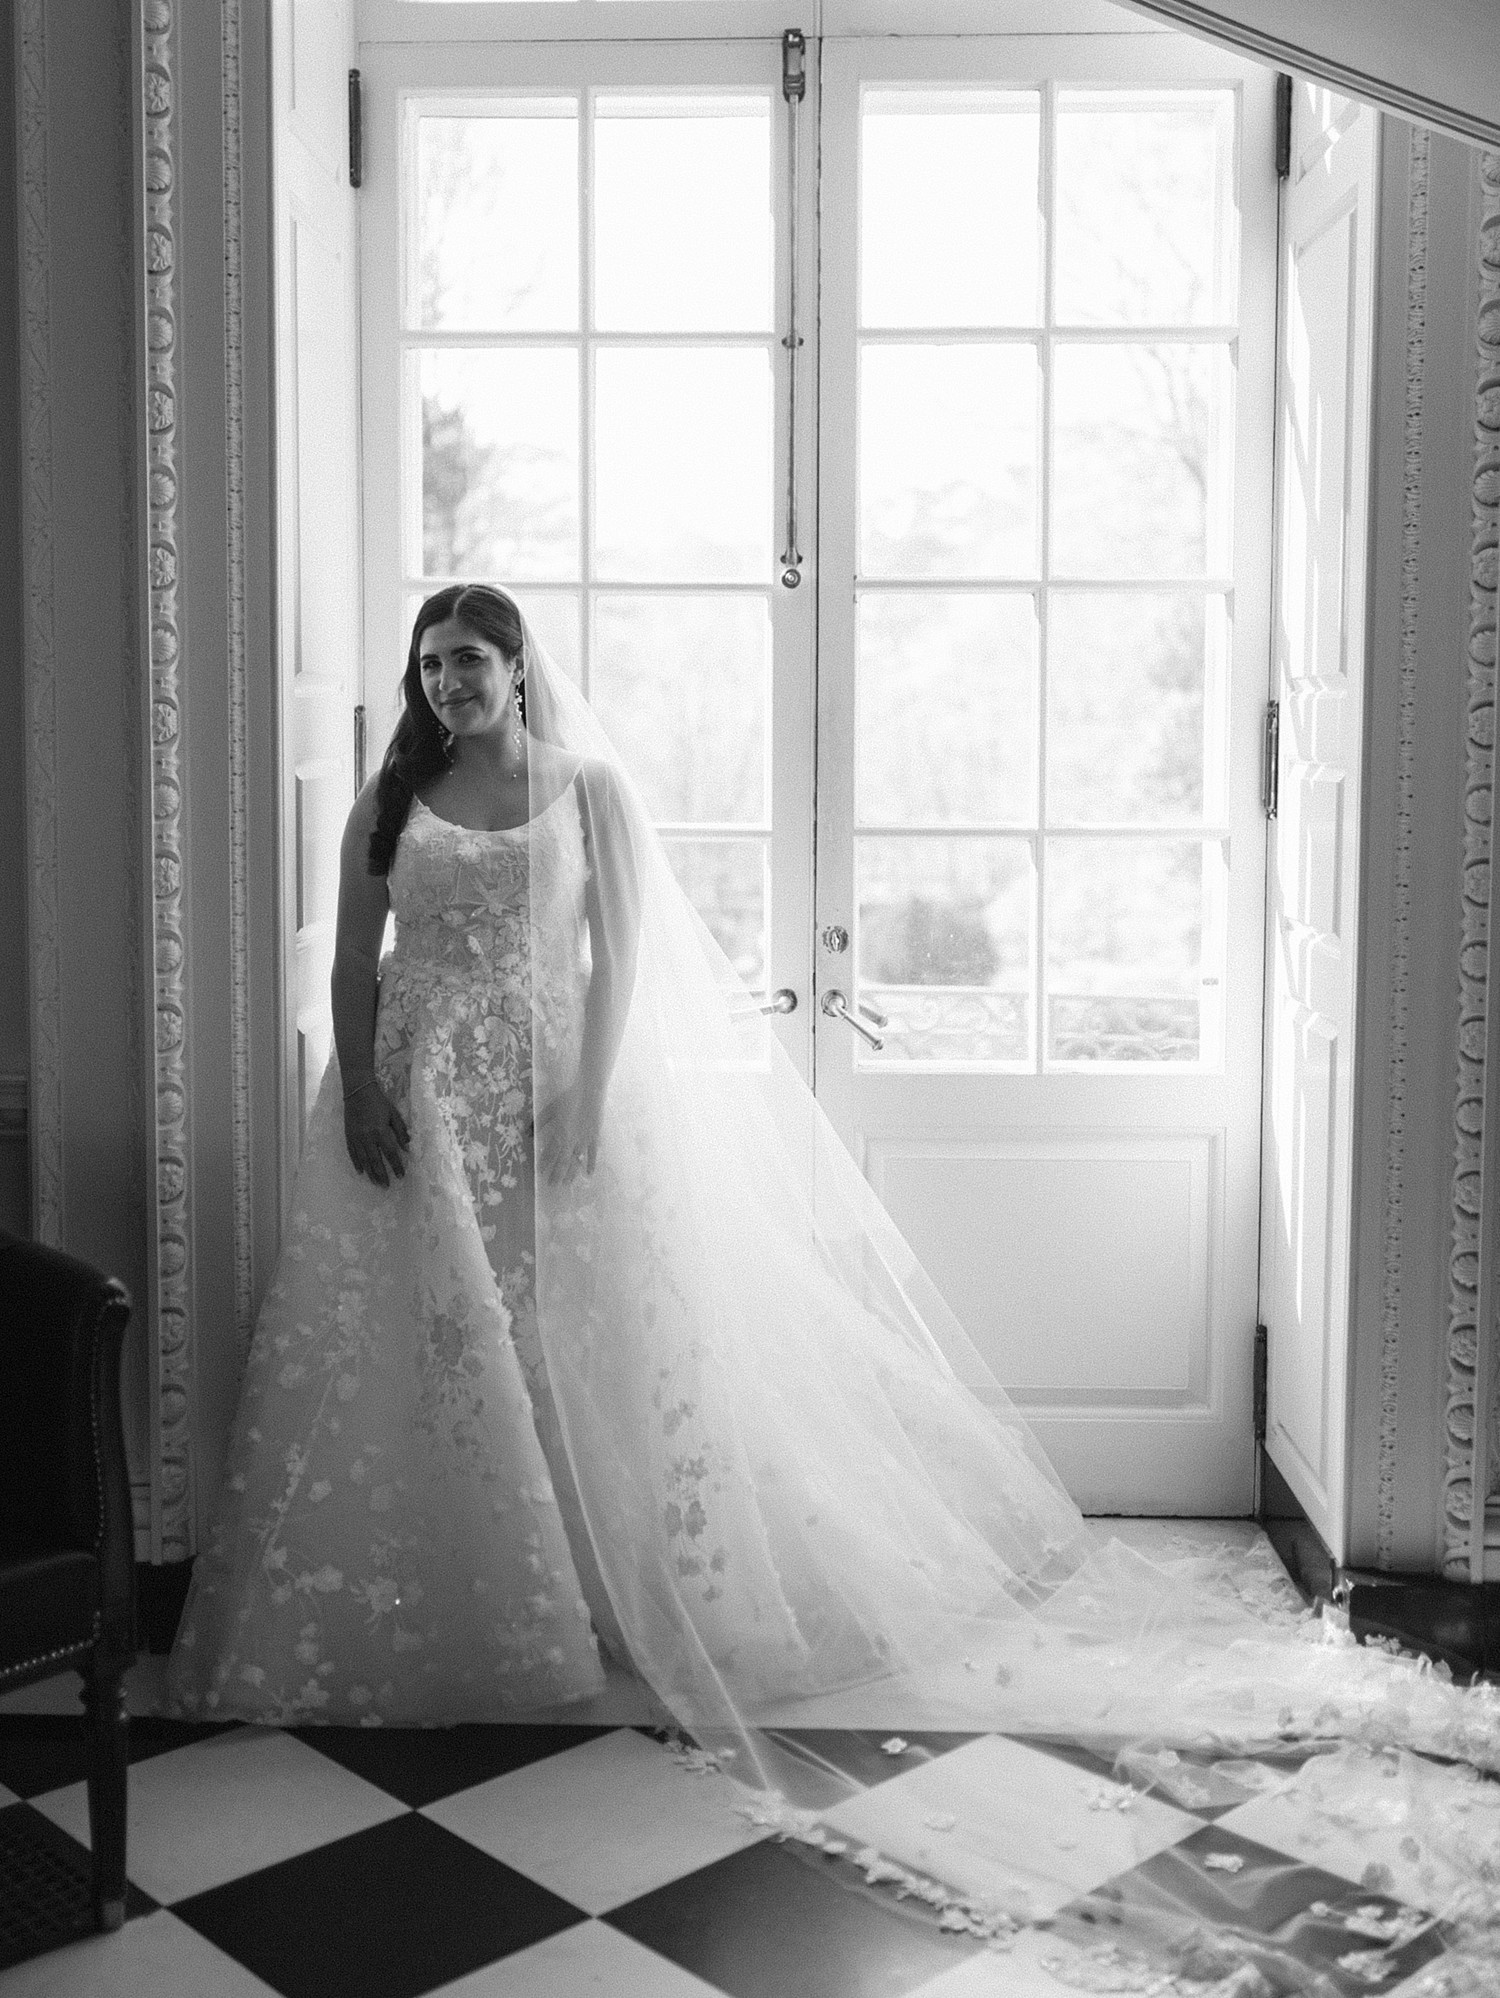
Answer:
(375, 1133)
(567, 1136)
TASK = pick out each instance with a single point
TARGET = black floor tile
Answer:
(46, 1887)
(773, 1920)
(859, 1752)
(1190, 1781)
(41, 1752)
(421, 1764)
(396, 1911)
(1301, 1928)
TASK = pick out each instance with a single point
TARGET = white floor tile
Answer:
(591, 1958)
(155, 1957)
(1168, 1539)
(204, 1814)
(1010, 1826)
(601, 1823)
(1017, 1971)
(1425, 1829)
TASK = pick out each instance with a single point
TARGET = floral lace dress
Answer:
(398, 1536)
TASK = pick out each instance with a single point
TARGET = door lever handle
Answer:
(782, 1001)
(836, 1007)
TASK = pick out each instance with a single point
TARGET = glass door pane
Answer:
(587, 369)
(1058, 441)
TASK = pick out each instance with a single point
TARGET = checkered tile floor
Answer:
(545, 1861)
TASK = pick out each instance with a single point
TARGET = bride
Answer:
(574, 1354)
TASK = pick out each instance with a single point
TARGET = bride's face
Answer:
(466, 679)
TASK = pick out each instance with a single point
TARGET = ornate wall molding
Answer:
(239, 728)
(172, 1524)
(1418, 174)
(44, 941)
(1467, 1427)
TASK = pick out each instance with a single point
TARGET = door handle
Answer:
(782, 1001)
(836, 1007)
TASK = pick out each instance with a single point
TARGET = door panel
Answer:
(1323, 419)
(1043, 634)
(596, 419)
(318, 521)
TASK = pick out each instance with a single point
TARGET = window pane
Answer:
(947, 708)
(497, 218)
(682, 685)
(682, 214)
(1135, 691)
(1146, 229)
(944, 946)
(683, 456)
(949, 222)
(725, 880)
(948, 455)
(1127, 924)
(500, 464)
(1141, 477)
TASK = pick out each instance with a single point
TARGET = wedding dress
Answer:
(700, 1408)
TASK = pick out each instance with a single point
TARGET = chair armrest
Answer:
(63, 1476)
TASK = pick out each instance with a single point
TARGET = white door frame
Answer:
(1186, 1445)
(393, 74)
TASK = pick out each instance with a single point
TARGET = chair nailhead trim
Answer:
(62, 1651)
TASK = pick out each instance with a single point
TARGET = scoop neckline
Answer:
(498, 832)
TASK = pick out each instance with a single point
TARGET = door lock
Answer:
(835, 939)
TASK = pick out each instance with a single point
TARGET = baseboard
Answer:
(160, 1591)
(1294, 1536)
(1454, 1623)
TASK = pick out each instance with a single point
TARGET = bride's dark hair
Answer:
(419, 747)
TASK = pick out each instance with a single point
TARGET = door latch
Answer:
(1270, 769)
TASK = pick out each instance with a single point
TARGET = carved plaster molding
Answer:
(172, 1526)
(44, 941)
(239, 732)
(1467, 1428)
(1418, 174)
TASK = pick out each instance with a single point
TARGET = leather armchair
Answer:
(67, 1544)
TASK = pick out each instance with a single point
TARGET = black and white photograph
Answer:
(749, 1108)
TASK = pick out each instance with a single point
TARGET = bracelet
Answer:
(369, 1082)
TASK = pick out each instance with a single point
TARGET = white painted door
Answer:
(1323, 422)
(317, 500)
(575, 276)
(1046, 423)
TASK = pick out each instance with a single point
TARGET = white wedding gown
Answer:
(398, 1537)
(700, 1409)
(726, 1444)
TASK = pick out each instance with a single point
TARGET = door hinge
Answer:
(1262, 1347)
(359, 750)
(356, 132)
(794, 65)
(1270, 767)
(1283, 126)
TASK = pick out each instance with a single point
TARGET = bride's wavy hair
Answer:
(419, 746)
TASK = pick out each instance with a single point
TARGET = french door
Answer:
(576, 280)
(977, 778)
(1048, 327)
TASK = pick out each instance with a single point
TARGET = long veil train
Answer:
(797, 1475)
